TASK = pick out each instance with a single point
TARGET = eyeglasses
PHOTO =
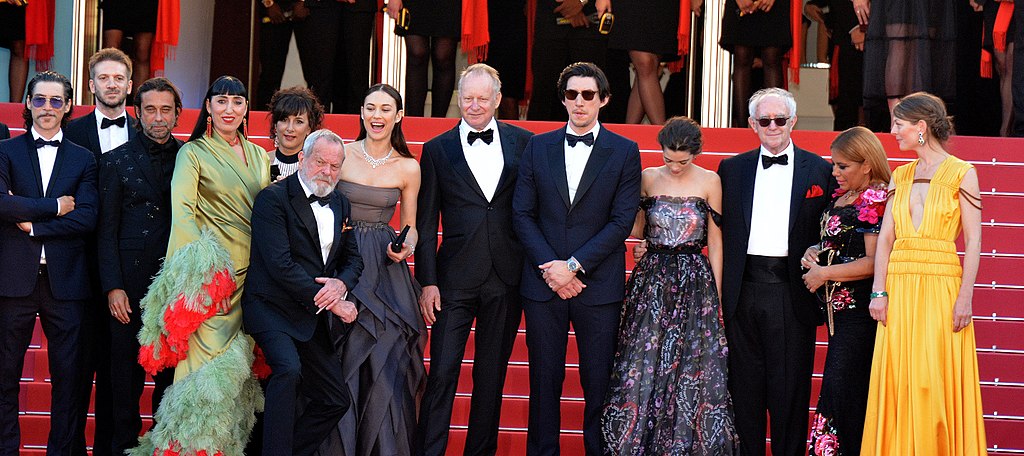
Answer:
(779, 121)
(572, 94)
(55, 102)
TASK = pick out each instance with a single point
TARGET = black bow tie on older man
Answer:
(572, 139)
(323, 200)
(40, 142)
(487, 136)
(106, 123)
(767, 161)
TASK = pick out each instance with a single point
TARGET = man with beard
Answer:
(303, 261)
(47, 212)
(101, 131)
(135, 198)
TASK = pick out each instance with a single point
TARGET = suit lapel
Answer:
(453, 147)
(749, 167)
(133, 126)
(599, 155)
(508, 151)
(301, 205)
(94, 136)
(800, 175)
(57, 164)
(556, 160)
(33, 159)
(340, 219)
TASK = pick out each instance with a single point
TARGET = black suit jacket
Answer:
(5, 132)
(806, 206)
(82, 131)
(285, 259)
(477, 235)
(74, 174)
(135, 218)
(593, 228)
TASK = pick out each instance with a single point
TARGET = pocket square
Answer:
(345, 226)
(814, 192)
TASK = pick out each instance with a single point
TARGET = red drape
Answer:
(39, 32)
(796, 27)
(682, 35)
(475, 31)
(168, 20)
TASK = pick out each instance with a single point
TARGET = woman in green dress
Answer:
(191, 316)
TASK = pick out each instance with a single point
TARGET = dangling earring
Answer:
(209, 126)
(245, 128)
(920, 138)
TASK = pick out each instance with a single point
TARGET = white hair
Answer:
(322, 134)
(762, 94)
(481, 69)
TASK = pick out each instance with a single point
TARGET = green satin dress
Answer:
(212, 188)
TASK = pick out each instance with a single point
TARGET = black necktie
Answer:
(487, 136)
(40, 142)
(323, 200)
(767, 160)
(106, 123)
(572, 139)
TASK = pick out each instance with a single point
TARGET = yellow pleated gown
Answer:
(924, 397)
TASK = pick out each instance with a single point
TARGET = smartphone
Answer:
(403, 19)
(605, 26)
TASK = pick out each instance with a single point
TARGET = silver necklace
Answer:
(375, 162)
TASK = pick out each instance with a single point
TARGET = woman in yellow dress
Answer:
(924, 397)
(191, 316)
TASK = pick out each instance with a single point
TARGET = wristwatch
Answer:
(268, 3)
(573, 265)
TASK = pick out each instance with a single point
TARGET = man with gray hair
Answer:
(303, 261)
(772, 198)
(468, 177)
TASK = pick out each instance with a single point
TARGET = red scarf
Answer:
(475, 33)
(39, 32)
(796, 27)
(168, 21)
(682, 36)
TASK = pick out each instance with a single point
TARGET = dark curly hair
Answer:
(929, 108)
(681, 134)
(294, 101)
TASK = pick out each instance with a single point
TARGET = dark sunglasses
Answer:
(55, 102)
(572, 94)
(779, 121)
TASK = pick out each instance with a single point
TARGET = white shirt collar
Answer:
(100, 116)
(787, 151)
(464, 127)
(57, 137)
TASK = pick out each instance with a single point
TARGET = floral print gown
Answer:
(668, 393)
(839, 419)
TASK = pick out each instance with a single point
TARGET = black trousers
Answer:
(771, 359)
(555, 47)
(127, 379)
(316, 38)
(94, 344)
(850, 98)
(312, 368)
(61, 321)
(497, 309)
(547, 333)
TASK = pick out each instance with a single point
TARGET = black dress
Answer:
(759, 29)
(838, 422)
(668, 392)
(646, 25)
(910, 46)
(440, 18)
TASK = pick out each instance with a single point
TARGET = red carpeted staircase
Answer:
(998, 299)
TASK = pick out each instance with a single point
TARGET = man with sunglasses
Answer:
(48, 206)
(101, 131)
(575, 203)
(772, 198)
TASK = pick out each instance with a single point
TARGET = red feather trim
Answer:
(220, 289)
(259, 365)
(150, 363)
(180, 322)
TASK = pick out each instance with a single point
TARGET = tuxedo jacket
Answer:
(5, 132)
(285, 259)
(74, 174)
(592, 228)
(477, 235)
(135, 218)
(82, 131)
(812, 190)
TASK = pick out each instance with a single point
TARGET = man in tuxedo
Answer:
(468, 176)
(101, 131)
(304, 259)
(134, 227)
(47, 211)
(575, 203)
(773, 197)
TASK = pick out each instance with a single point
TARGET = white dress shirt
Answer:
(47, 158)
(324, 223)
(769, 216)
(576, 158)
(112, 136)
(485, 160)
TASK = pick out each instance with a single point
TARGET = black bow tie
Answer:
(487, 136)
(572, 139)
(323, 200)
(40, 142)
(106, 123)
(767, 160)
